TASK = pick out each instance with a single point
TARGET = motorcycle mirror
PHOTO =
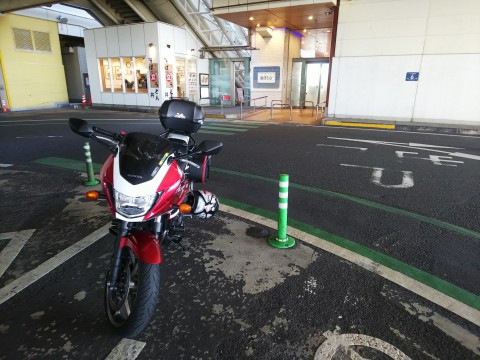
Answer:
(209, 147)
(80, 127)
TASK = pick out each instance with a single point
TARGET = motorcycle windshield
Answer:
(141, 156)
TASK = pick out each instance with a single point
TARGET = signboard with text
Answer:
(266, 77)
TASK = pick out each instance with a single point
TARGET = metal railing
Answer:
(303, 103)
(282, 105)
(220, 99)
(254, 104)
(322, 112)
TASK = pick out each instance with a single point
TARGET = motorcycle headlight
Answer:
(133, 206)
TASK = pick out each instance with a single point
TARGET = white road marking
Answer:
(345, 147)
(435, 159)
(405, 145)
(407, 179)
(43, 269)
(126, 349)
(37, 137)
(466, 156)
(455, 306)
(5, 165)
(346, 342)
(15, 245)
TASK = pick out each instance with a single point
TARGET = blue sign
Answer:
(412, 76)
(266, 77)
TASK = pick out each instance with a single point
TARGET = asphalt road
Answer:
(405, 197)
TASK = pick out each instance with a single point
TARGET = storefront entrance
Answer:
(309, 82)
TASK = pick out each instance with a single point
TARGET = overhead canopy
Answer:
(212, 31)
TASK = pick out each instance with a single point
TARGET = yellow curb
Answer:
(215, 116)
(377, 126)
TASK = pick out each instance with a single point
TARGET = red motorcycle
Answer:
(148, 184)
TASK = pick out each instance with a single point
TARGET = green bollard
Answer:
(88, 161)
(282, 240)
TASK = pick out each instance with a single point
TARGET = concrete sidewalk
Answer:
(312, 117)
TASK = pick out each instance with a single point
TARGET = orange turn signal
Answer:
(92, 195)
(185, 209)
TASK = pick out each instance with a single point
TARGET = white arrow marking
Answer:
(457, 154)
(344, 147)
(11, 251)
(407, 180)
(334, 343)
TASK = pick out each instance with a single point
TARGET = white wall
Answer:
(270, 53)
(378, 41)
(168, 42)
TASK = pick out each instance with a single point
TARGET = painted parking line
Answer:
(5, 165)
(436, 290)
(431, 282)
(43, 269)
(14, 246)
(126, 349)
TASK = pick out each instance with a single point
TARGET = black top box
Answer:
(181, 115)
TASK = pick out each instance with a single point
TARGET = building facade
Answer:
(32, 74)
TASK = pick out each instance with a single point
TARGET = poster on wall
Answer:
(192, 82)
(204, 80)
(169, 75)
(153, 69)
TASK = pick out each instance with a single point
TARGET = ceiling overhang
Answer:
(299, 18)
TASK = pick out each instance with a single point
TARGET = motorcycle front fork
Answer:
(117, 254)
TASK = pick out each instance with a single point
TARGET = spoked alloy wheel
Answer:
(131, 304)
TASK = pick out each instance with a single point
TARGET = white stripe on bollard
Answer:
(283, 184)
(283, 195)
(282, 206)
(88, 160)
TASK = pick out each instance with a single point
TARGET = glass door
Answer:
(309, 82)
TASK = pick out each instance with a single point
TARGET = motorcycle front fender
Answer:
(144, 245)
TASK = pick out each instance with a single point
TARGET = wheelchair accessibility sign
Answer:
(412, 76)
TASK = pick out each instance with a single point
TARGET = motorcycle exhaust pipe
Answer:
(202, 203)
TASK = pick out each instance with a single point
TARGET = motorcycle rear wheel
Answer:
(130, 305)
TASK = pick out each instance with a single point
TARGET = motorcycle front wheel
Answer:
(131, 303)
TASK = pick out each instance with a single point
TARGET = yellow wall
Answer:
(33, 79)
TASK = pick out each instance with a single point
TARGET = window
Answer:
(42, 41)
(32, 40)
(117, 81)
(123, 75)
(128, 75)
(141, 73)
(105, 75)
(23, 39)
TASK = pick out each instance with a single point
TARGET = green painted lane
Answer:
(231, 125)
(372, 204)
(215, 127)
(394, 264)
(215, 132)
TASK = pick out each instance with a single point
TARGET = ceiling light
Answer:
(303, 42)
(250, 18)
(310, 17)
(258, 25)
(304, 30)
